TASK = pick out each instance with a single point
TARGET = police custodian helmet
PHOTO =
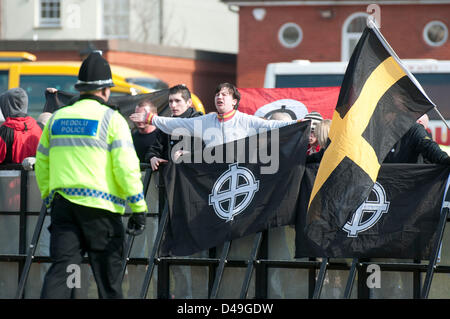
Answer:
(95, 73)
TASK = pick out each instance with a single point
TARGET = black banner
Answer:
(211, 203)
(399, 219)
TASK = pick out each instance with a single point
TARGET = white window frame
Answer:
(114, 36)
(281, 39)
(425, 33)
(47, 21)
(347, 36)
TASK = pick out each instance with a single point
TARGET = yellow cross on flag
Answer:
(378, 102)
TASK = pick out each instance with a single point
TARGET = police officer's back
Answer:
(87, 171)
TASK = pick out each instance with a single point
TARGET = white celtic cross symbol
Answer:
(377, 208)
(233, 191)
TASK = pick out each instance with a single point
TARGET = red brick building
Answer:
(286, 30)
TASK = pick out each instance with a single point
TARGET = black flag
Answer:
(378, 102)
(211, 203)
(399, 219)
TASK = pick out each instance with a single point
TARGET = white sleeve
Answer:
(175, 125)
(258, 123)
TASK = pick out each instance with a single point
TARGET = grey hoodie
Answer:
(14, 103)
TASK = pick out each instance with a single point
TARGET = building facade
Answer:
(283, 31)
(193, 42)
(194, 24)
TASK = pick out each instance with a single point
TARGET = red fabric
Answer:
(312, 150)
(2, 150)
(318, 99)
(26, 137)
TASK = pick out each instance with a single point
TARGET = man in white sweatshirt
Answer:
(227, 125)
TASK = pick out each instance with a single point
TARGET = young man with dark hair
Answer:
(232, 90)
(180, 104)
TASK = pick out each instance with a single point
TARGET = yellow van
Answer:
(20, 69)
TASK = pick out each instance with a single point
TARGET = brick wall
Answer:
(56, 55)
(402, 26)
(200, 76)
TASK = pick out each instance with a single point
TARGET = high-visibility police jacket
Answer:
(87, 155)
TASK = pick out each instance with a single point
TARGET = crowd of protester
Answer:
(27, 141)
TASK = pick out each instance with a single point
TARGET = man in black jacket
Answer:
(145, 134)
(180, 104)
(417, 147)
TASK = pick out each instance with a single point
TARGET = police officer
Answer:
(87, 171)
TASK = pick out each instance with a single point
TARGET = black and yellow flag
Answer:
(378, 102)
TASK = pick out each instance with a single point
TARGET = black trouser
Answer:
(75, 230)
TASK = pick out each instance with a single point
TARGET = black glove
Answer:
(136, 224)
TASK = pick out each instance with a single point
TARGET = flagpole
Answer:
(446, 190)
(373, 26)
(437, 245)
(442, 118)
